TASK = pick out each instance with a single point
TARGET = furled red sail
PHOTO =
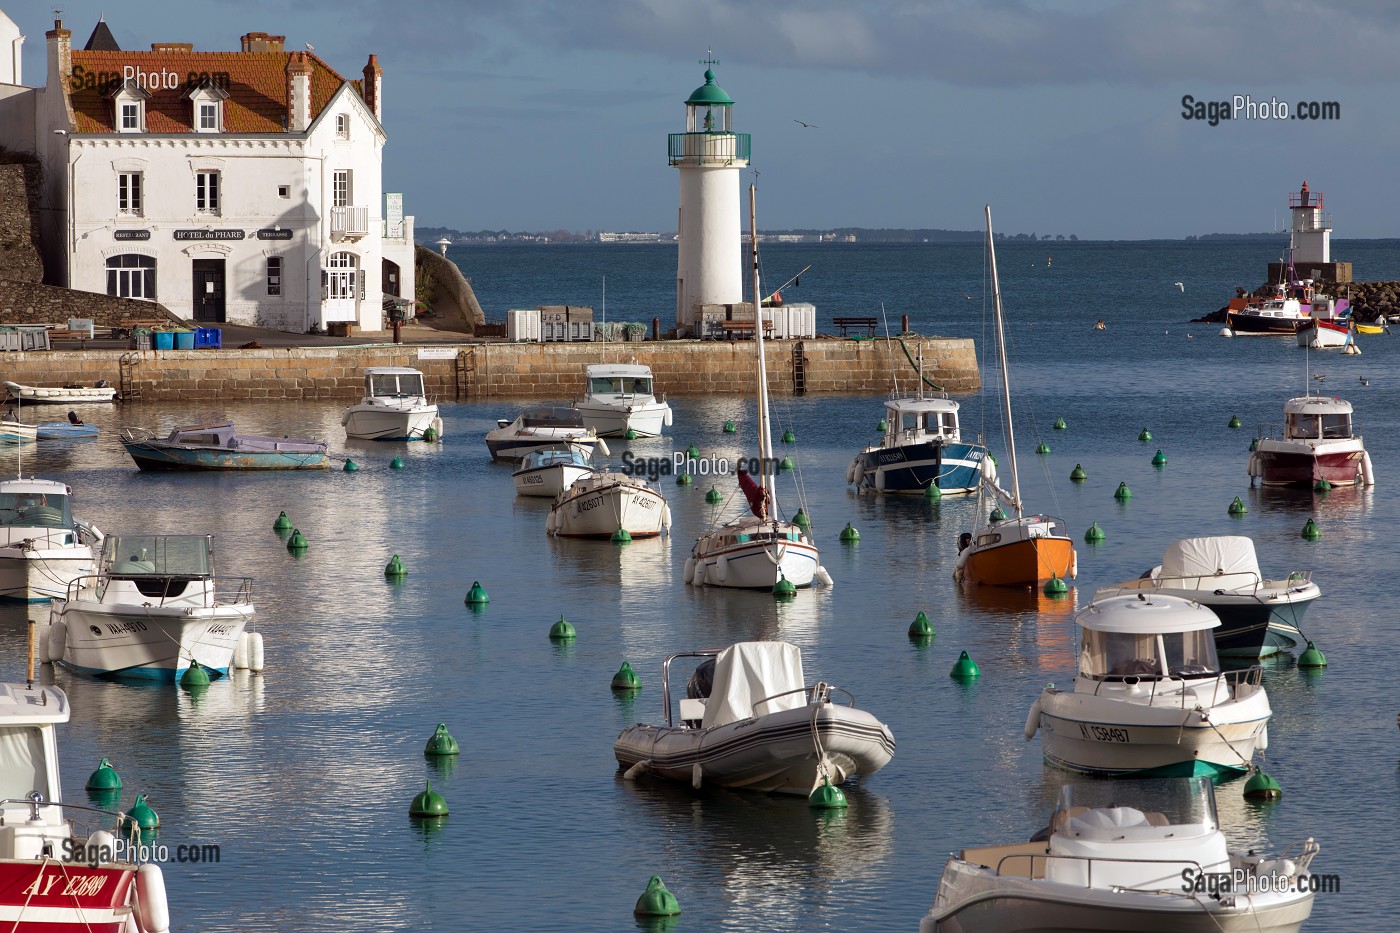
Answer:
(756, 494)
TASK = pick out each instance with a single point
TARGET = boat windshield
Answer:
(35, 510)
(23, 768)
(1312, 427)
(1119, 656)
(394, 385)
(619, 385)
(158, 555)
(1188, 801)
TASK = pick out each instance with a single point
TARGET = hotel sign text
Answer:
(208, 234)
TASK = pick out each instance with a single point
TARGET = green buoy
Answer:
(1059, 424)
(827, 797)
(105, 777)
(1123, 492)
(849, 535)
(692, 452)
(396, 463)
(964, 668)
(1322, 485)
(656, 901)
(1042, 448)
(882, 426)
(931, 491)
(1262, 787)
(785, 463)
(784, 588)
(997, 515)
(395, 567)
(194, 676)
(921, 627)
(730, 428)
(428, 804)
(683, 479)
(1311, 532)
(283, 523)
(477, 594)
(1095, 533)
(1056, 588)
(621, 536)
(141, 816)
(1312, 657)
(351, 466)
(626, 678)
(1237, 507)
(1234, 421)
(629, 435)
(441, 742)
(1145, 435)
(297, 542)
(1077, 475)
(1159, 459)
(802, 521)
(789, 437)
(714, 496)
(562, 630)
(430, 434)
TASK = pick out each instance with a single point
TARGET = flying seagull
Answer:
(1180, 286)
(812, 126)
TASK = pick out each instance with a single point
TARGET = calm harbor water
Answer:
(303, 774)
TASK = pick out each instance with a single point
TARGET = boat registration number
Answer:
(125, 628)
(643, 503)
(1104, 733)
(220, 628)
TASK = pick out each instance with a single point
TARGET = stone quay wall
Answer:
(500, 370)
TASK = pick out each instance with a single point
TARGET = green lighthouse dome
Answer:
(710, 94)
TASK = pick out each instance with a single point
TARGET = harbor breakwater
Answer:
(504, 370)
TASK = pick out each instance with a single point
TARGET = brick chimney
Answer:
(263, 42)
(374, 83)
(60, 71)
(298, 93)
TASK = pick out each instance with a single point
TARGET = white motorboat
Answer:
(1258, 616)
(53, 877)
(1318, 443)
(61, 395)
(547, 473)
(1127, 856)
(619, 398)
(759, 550)
(922, 446)
(1150, 698)
(395, 407)
(43, 547)
(14, 431)
(1321, 334)
(751, 721)
(153, 609)
(607, 501)
(543, 427)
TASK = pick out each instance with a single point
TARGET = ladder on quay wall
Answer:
(464, 372)
(127, 390)
(799, 369)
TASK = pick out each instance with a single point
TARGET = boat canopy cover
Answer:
(617, 369)
(1316, 405)
(747, 674)
(1209, 557)
(1144, 614)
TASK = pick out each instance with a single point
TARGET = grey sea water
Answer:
(303, 774)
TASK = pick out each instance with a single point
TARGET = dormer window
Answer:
(206, 106)
(342, 125)
(129, 107)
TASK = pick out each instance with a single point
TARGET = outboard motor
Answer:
(964, 540)
(702, 681)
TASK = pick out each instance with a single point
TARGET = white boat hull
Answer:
(785, 752)
(548, 481)
(753, 565)
(147, 643)
(598, 510)
(645, 420)
(59, 395)
(381, 423)
(41, 574)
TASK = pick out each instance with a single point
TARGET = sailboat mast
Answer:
(765, 440)
(1005, 377)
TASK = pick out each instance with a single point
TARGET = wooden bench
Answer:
(736, 330)
(847, 323)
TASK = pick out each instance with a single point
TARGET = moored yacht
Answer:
(922, 446)
(395, 407)
(547, 473)
(605, 502)
(619, 398)
(43, 547)
(543, 427)
(1318, 442)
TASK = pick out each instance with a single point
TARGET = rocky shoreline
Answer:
(1370, 301)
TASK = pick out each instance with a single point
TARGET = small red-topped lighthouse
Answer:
(1311, 231)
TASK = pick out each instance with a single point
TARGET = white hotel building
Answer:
(229, 186)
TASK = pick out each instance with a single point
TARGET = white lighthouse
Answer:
(709, 154)
(1311, 234)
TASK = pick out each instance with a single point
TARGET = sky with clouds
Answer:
(1065, 115)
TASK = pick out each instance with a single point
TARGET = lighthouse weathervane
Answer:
(709, 156)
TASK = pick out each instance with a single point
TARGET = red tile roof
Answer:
(256, 83)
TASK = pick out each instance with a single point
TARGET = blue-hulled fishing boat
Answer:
(220, 447)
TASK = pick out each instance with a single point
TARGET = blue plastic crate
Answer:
(208, 338)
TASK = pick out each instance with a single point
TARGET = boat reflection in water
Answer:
(1050, 640)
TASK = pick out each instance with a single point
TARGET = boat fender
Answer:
(1033, 720)
(240, 653)
(824, 576)
(697, 775)
(152, 910)
(879, 480)
(639, 768)
(1074, 565)
(851, 473)
(1263, 743)
(1368, 477)
(603, 448)
(550, 525)
(1253, 468)
(56, 644)
(437, 426)
(689, 573)
(666, 419)
(255, 652)
(666, 517)
(99, 839)
(722, 568)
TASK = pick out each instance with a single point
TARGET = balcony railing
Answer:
(349, 222)
(709, 148)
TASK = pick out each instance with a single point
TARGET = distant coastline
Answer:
(432, 236)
